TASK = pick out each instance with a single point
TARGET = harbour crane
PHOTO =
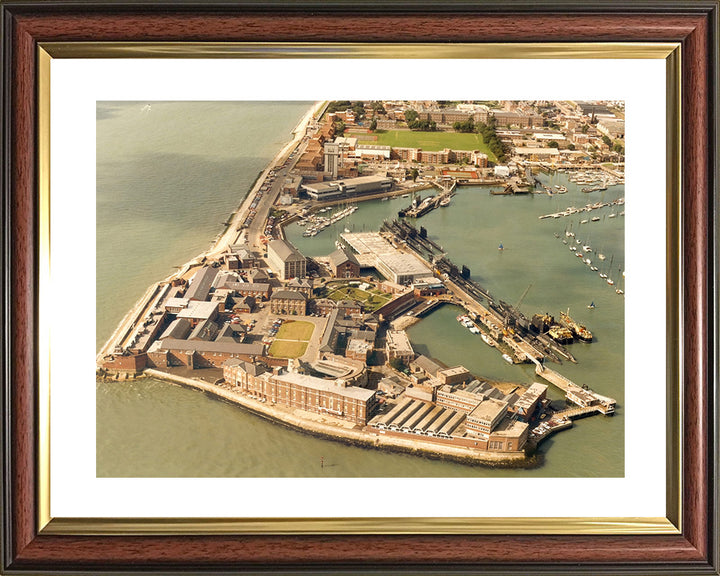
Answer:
(517, 306)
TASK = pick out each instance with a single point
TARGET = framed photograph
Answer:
(333, 288)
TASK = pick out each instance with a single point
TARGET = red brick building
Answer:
(300, 391)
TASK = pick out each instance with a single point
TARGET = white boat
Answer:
(573, 248)
(596, 219)
(612, 215)
(603, 275)
(445, 202)
(601, 256)
(489, 341)
(594, 268)
(587, 248)
(618, 291)
(507, 359)
(583, 221)
(474, 329)
(588, 261)
(610, 281)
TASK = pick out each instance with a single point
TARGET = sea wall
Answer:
(343, 431)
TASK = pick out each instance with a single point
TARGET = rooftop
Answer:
(488, 410)
(326, 386)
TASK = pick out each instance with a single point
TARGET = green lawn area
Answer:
(296, 330)
(287, 349)
(378, 298)
(432, 141)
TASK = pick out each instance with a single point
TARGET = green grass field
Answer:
(371, 300)
(432, 141)
(298, 330)
(287, 349)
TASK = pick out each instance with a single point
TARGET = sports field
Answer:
(431, 141)
(292, 339)
(287, 349)
(296, 330)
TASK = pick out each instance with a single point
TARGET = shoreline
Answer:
(337, 430)
(127, 323)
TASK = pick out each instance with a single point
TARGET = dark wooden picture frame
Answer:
(26, 25)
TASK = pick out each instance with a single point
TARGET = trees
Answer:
(607, 140)
(466, 126)
(373, 125)
(339, 127)
(553, 144)
(410, 116)
(414, 174)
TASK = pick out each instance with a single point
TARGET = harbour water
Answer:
(164, 188)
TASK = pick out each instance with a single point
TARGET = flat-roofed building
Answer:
(374, 151)
(348, 187)
(397, 346)
(486, 416)
(285, 260)
(373, 251)
(174, 305)
(526, 405)
(359, 349)
(454, 375)
(508, 436)
(581, 397)
(197, 312)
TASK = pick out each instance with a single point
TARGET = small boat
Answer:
(474, 330)
(564, 241)
(588, 261)
(489, 341)
(583, 221)
(594, 268)
(573, 248)
(612, 215)
(385, 199)
(445, 202)
(507, 359)
(601, 256)
(406, 195)
(501, 247)
(579, 255)
(618, 291)
(591, 305)
(596, 219)
(610, 281)
(603, 276)
(587, 248)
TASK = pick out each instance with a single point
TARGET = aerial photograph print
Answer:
(360, 289)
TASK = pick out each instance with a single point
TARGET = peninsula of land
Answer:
(320, 343)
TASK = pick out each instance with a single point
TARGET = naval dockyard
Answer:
(320, 343)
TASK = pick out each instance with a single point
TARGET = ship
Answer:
(489, 341)
(560, 334)
(580, 332)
